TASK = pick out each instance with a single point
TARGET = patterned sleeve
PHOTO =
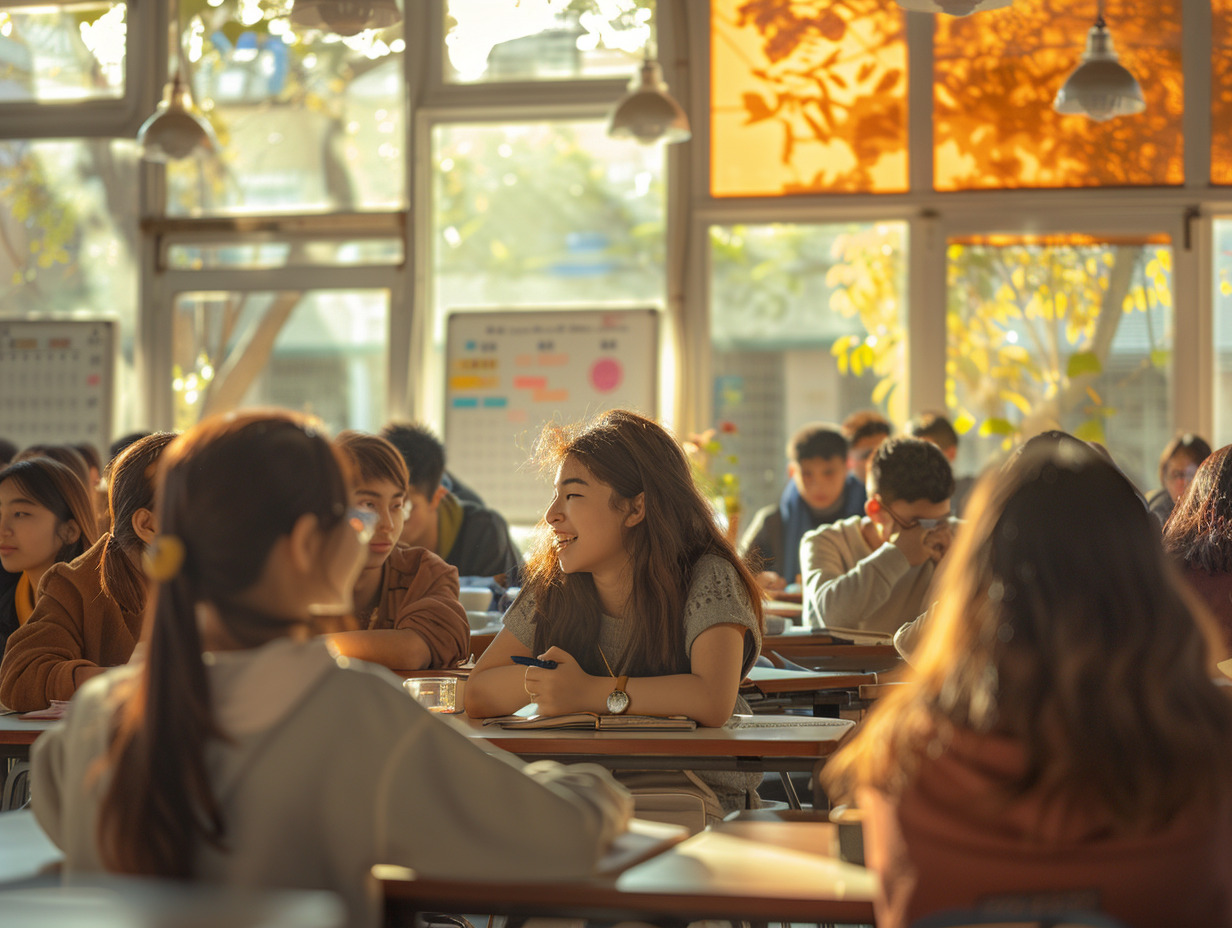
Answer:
(520, 618)
(717, 597)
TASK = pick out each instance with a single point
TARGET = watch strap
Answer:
(621, 682)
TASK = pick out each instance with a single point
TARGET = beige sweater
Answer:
(331, 770)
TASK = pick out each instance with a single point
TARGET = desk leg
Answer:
(820, 799)
(793, 798)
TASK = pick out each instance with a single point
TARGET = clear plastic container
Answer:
(436, 694)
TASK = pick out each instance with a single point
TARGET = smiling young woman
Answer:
(45, 517)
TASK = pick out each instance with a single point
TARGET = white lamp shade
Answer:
(1100, 86)
(345, 17)
(648, 113)
(174, 131)
(952, 7)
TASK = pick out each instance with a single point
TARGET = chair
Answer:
(16, 787)
(1022, 918)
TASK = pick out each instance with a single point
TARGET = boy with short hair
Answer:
(870, 573)
(406, 599)
(935, 427)
(471, 537)
(819, 492)
(864, 430)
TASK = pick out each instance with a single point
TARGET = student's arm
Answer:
(706, 694)
(430, 628)
(44, 658)
(843, 596)
(497, 686)
(447, 808)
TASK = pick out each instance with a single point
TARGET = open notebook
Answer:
(593, 721)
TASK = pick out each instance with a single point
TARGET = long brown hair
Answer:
(632, 455)
(228, 490)
(1059, 623)
(57, 487)
(130, 487)
(1199, 531)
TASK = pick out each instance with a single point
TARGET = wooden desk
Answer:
(25, 849)
(824, 693)
(849, 657)
(763, 744)
(753, 871)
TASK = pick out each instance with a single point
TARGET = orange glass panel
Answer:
(807, 97)
(1221, 92)
(996, 74)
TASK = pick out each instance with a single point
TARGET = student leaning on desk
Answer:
(633, 591)
(1063, 741)
(241, 751)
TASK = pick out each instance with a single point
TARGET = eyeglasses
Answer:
(363, 521)
(927, 524)
(1186, 474)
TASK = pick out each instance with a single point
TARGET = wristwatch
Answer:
(618, 699)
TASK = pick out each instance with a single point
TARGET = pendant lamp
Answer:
(952, 7)
(647, 112)
(176, 129)
(345, 17)
(1100, 87)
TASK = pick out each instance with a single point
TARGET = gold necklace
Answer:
(605, 663)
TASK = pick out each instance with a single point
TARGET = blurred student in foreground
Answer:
(241, 752)
(1063, 738)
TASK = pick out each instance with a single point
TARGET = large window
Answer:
(1070, 333)
(806, 324)
(320, 352)
(68, 54)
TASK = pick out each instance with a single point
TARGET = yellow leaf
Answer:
(964, 422)
(1061, 303)
(1019, 277)
(1018, 400)
(1165, 258)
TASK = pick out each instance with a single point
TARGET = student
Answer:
(864, 430)
(1198, 535)
(1062, 741)
(45, 517)
(935, 427)
(89, 613)
(1177, 466)
(406, 599)
(819, 491)
(470, 537)
(240, 751)
(870, 573)
(633, 591)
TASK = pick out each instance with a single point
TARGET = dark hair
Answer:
(1060, 624)
(56, 487)
(67, 455)
(632, 455)
(423, 452)
(816, 440)
(373, 458)
(228, 490)
(89, 454)
(130, 487)
(934, 427)
(910, 469)
(8, 451)
(865, 423)
(123, 442)
(1192, 446)
(1199, 531)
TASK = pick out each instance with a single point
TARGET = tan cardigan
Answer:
(420, 591)
(74, 625)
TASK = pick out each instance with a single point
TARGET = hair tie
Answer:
(163, 558)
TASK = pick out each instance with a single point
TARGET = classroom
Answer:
(951, 247)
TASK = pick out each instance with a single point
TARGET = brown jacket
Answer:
(949, 841)
(74, 625)
(420, 592)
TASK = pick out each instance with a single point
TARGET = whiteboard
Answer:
(510, 373)
(56, 381)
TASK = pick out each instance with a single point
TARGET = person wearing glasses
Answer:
(406, 599)
(241, 751)
(870, 573)
(1177, 466)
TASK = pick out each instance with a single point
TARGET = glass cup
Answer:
(436, 694)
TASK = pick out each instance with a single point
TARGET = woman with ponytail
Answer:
(240, 750)
(89, 615)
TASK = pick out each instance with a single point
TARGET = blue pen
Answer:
(533, 662)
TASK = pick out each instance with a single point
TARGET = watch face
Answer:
(617, 702)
